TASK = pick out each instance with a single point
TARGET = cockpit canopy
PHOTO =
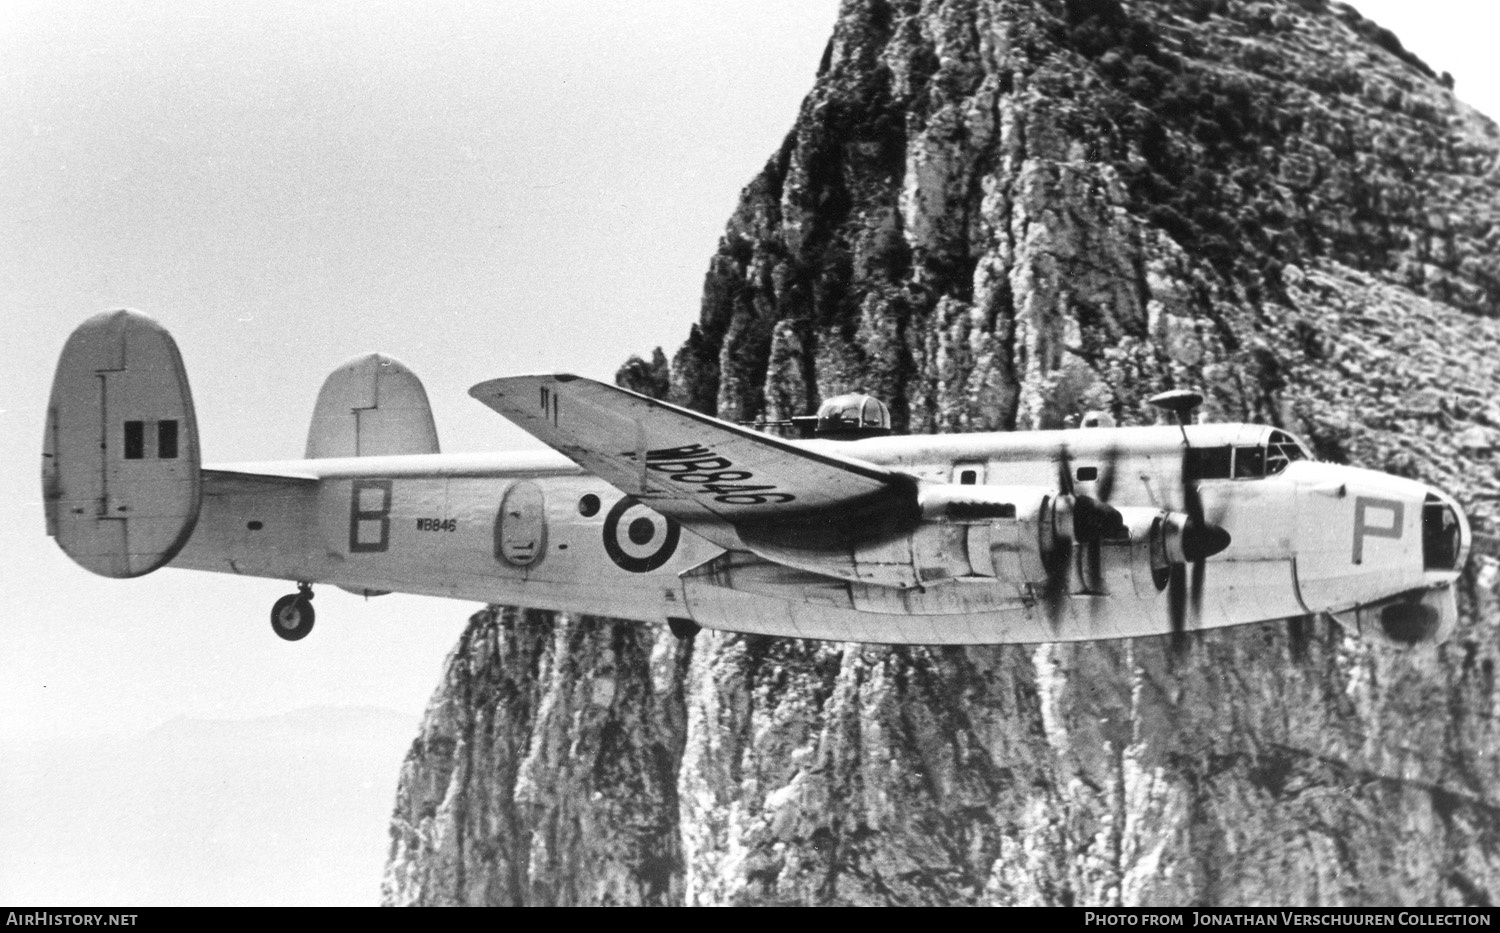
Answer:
(1246, 461)
(853, 415)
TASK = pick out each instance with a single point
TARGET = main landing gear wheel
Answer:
(684, 629)
(292, 616)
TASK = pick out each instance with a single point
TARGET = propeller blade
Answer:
(1195, 593)
(1058, 564)
(1059, 576)
(1064, 471)
(1106, 485)
(1192, 502)
(1094, 521)
(1091, 569)
(1057, 556)
(1200, 541)
(1177, 608)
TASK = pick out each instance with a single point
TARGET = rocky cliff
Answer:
(997, 214)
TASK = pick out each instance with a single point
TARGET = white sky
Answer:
(479, 189)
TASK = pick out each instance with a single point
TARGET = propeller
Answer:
(1199, 540)
(1101, 522)
(1080, 524)
(1078, 520)
(1057, 547)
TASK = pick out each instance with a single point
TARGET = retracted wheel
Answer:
(292, 616)
(683, 628)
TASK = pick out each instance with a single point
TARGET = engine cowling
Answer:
(1005, 532)
(1140, 561)
(1025, 535)
(959, 531)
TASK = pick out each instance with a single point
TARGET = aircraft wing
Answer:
(691, 467)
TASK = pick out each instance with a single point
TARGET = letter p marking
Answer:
(1382, 508)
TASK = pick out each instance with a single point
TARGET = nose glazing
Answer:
(1445, 534)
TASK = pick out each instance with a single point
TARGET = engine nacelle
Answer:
(962, 531)
(1140, 562)
(1024, 535)
(992, 531)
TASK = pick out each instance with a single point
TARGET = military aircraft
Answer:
(653, 512)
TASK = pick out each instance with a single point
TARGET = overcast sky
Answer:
(478, 189)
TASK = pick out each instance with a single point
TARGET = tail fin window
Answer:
(166, 439)
(135, 440)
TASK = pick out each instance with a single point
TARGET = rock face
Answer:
(997, 214)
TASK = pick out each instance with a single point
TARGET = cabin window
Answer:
(1088, 474)
(1209, 462)
(166, 440)
(1281, 450)
(969, 473)
(135, 440)
(1249, 462)
(1442, 537)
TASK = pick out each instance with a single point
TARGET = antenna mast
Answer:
(1180, 402)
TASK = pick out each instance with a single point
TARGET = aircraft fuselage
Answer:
(536, 530)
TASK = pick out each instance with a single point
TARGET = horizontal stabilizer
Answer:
(371, 406)
(698, 469)
(239, 482)
(120, 461)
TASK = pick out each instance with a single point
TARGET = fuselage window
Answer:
(968, 473)
(1088, 474)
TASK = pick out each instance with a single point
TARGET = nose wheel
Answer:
(292, 615)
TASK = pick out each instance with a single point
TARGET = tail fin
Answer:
(371, 405)
(121, 473)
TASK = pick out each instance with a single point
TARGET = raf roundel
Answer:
(638, 539)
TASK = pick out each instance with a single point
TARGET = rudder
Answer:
(121, 467)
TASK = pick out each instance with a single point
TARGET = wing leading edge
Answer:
(704, 472)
